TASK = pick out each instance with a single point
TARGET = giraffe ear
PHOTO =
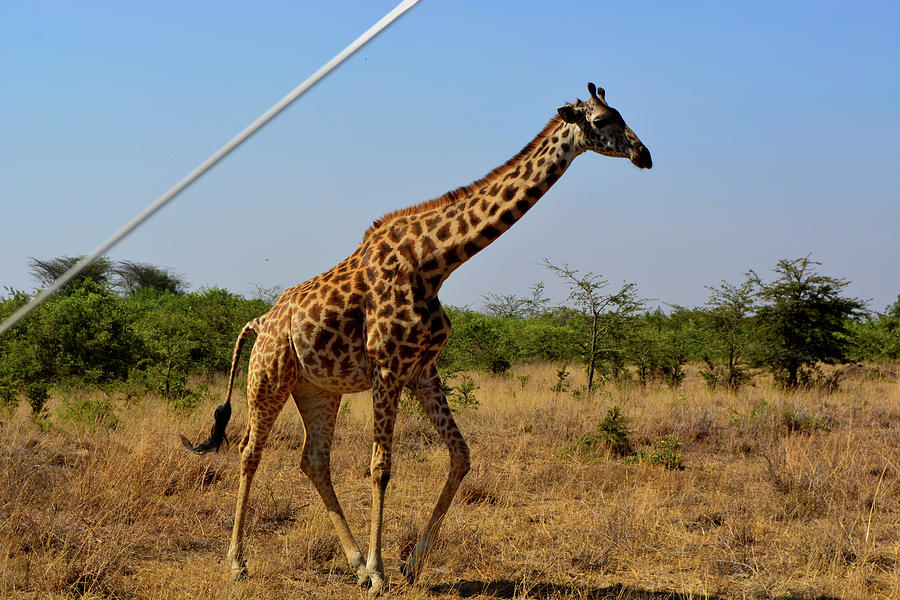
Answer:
(570, 114)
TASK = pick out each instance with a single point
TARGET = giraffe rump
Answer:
(223, 412)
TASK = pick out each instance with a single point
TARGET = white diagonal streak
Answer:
(210, 162)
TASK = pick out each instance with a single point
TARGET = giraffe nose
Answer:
(640, 157)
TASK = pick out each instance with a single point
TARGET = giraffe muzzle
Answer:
(640, 157)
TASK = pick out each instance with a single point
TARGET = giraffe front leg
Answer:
(431, 395)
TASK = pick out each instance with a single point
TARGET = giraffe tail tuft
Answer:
(223, 412)
(217, 435)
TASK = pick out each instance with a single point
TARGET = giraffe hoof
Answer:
(358, 566)
(378, 582)
(238, 569)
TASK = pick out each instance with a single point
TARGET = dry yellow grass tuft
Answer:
(781, 495)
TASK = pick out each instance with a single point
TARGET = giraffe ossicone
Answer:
(374, 322)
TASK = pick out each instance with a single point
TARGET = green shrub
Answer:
(719, 376)
(83, 334)
(612, 439)
(8, 397)
(345, 408)
(667, 453)
(463, 394)
(758, 415)
(37, 393)
(876, 339)
(154, 339)
(614, 431)
(90, 413)
(797, 419)
(562, 384)
(480, 342)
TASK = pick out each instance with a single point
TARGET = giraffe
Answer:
(374, 321)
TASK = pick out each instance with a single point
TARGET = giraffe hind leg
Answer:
(264, 405)
(318, 410)
(431, 395)
(385, 396)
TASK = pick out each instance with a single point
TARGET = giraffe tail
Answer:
(223, 412)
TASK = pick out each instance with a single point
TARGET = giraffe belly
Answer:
(338, 366)
(340, 385)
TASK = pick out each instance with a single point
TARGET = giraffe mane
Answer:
(465, 190)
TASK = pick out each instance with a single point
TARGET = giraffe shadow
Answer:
(504, 588)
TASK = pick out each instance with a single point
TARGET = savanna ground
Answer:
(780, 495)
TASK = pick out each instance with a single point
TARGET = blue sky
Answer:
(773, 128)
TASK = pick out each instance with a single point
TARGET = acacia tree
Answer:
(134, 276)
(599, 314)
(729, 309)
(504, 306)
(802, 319)
(517, 307)
(49, 270)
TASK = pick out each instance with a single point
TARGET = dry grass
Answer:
(782, 495)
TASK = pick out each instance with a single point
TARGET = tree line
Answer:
(119, 324)
(788, 327)
(136, 325)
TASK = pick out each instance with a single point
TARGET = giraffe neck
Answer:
(474, 216)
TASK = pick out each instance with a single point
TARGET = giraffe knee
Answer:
(460, 459)
(381, 474)
(250, 456)
(383, 480)
(248, 468)
(380, 467)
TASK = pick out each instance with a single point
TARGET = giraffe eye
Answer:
(601, 122)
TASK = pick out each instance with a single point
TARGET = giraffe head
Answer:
(604, 130)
